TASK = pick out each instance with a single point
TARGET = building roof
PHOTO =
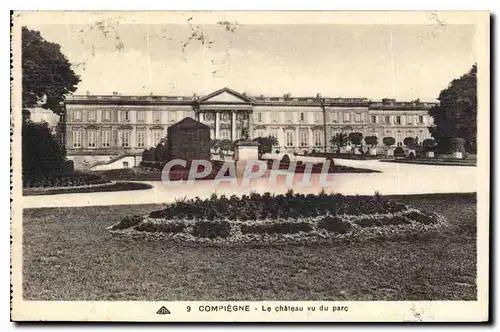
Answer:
(189, 123)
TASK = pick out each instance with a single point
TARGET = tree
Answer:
(47, 74)
(409, 141)
(339, 141)
(429, 144)
(456, 113)
(371, 141)
(356, 138)
(389, 141)
(226, 145)
(266, 144)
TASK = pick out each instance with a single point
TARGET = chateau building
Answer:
(98, 127)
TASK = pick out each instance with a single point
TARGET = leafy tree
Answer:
(371, 140)
(226, 145)
(409, 141)
(389, 141)
(339, 140)
(42, 154)
(266, 144)
(161, 151)
(47, 74)
(456, 113)
(356, 138)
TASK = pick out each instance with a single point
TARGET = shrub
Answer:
(429, 144)
(277, 151)
(370, 222)
(212, 229)
(422, 218)
(389, 141)
(277, 228)
(409, 141)
(335, 225)
(399, 152)
(457, 144)
(127, 222)
(285, 159)
(371, 140)
(176, 227)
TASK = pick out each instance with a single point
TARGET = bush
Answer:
(457, 144)
(212, 229)
(335, 225)
(422, 218)
(370, 222)
(277, 228)
(399, 152)
(160, 227)
(409, 141)
(127, 222)
(429, 144)
(285, 159)
(389, 141)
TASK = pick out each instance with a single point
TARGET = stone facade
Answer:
(113, 125)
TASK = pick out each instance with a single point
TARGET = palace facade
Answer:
(98, 127)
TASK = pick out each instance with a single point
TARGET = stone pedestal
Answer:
(244, 152)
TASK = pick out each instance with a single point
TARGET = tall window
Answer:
(357, 117)
(106, 115)
(274, 116)
(141, 138)
(125, 138)
(347, 117)
(334, 116)
(91, 138)
(77, 139)
(274, 133)
(304, 137)
(387, 119)
(302, 117)
(125, 115)
(399, 138)
(157, 135)
(318, 137)
(172, 116)
(78, 115)
(420, 119)
(289, 116)
(187, 114)
(317, 116)
(156, 116)
(374, 119)
(289, 138)
(259, 117)
(398, 120)
(225, 134)
(259, 133)
(106, 138)
(92, 115)
(141, 115)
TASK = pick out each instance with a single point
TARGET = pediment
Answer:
(225, 95)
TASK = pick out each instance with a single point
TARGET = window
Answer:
(92, 115)
(141, 138)
(374, 119)
(289, 116)
(225, 134)
(125, 115)
(156, 116)
(207, 117)
(357, 117)
(187, 114)
(224, 117)
(334, 116)
(399, 138)
(78, 115)
(106, 115)
(398, 120)
(387, 119)
(259, 133)
(420, 119)
(274, 134)
(125, 164)
(302, 116)
(125, 139)
(347, 117)
(77, 139)
(91, 134)
(157, 135)
(141, 115)
(318, 137)
(172, 116)
(259, 117)
(274, 116)
(289, 138)
(317, 116)
(304, 137)
(106, 139)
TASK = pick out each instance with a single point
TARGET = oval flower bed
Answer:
(320, 218)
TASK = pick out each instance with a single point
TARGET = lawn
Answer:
(119, 186)
(69, 255)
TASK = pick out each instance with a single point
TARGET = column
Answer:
(198, 116)
(311, 142)
(217, 125)
(233, 125)
(250, 125)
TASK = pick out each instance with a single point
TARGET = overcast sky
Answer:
(374, 61)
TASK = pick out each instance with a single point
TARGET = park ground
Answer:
(69, 255)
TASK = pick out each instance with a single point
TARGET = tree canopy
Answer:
(46, 73)
(456, 113)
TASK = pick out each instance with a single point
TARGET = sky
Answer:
(405, 62)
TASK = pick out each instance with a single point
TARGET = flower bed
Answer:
(266, 218)
(76, 179)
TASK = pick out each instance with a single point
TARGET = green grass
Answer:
(69, 255)
(119, 186)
